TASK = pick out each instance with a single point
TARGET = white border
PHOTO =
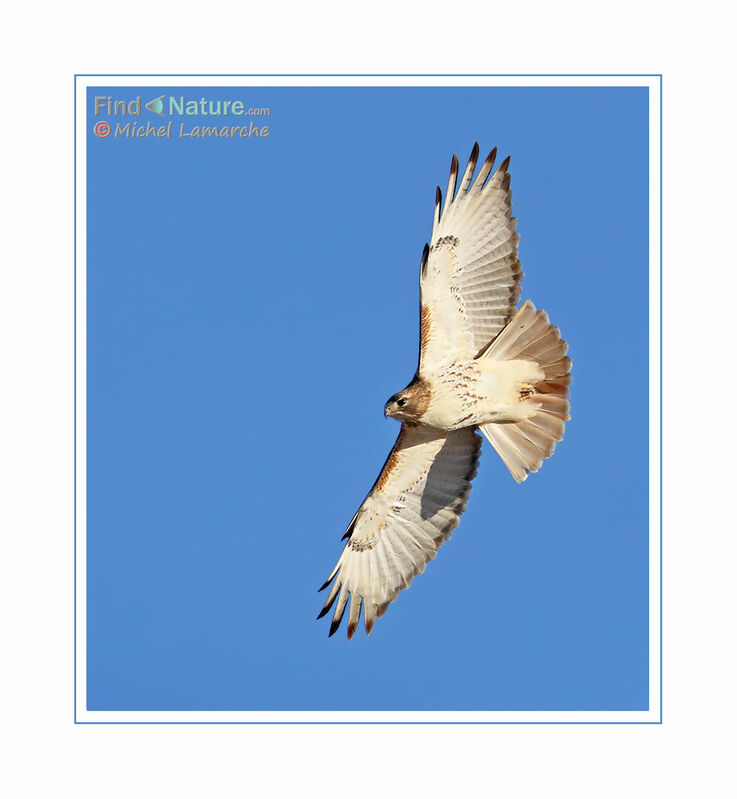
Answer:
(653, 715)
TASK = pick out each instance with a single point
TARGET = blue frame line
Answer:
(75, 399)
(661, 397)
(369, 75)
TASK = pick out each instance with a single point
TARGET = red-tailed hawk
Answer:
(483, 365)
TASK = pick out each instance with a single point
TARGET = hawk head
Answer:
(409, 404)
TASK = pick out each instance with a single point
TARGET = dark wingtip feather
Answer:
(423, 260)
(454, 165)
(338, 618)
(438, 195)
(369, 626)
(325, 584)
(329, 604)
(475, 152)
(504, 166)
(490, 158)
(351, 630)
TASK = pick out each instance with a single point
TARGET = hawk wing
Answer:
(470, 275)
(412, 508)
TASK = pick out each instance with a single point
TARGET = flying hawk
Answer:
(483, 365)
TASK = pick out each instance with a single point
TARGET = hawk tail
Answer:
(524, 445)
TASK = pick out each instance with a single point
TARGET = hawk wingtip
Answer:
(329, 602)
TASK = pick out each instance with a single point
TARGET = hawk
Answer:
(483, 365)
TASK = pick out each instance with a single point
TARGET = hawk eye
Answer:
(401, 402)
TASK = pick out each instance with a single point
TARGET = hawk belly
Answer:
(482, 391)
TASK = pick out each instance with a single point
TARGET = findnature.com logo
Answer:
(174, 107)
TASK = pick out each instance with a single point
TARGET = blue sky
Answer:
(251, 304)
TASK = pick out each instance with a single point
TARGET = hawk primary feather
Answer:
(482, 365)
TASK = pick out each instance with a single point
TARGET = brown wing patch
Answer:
(391, 464)
(425, 325)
